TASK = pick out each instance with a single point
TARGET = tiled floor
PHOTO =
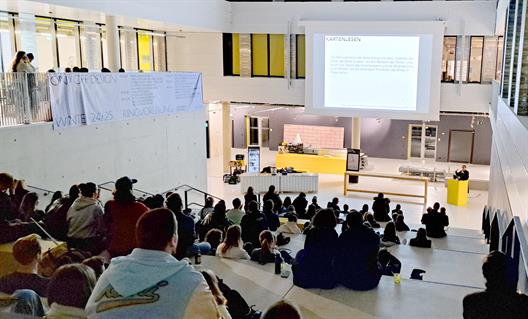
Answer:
(330, 186)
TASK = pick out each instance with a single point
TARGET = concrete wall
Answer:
(161, 152)
(379, 137)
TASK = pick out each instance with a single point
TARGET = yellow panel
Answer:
(301, 56)
(312, 163)
(457, 192)
(145, 53)
(259, 54)
(236, 54)
(276, 54)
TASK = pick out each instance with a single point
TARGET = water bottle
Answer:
(278, 264)
(197, 256)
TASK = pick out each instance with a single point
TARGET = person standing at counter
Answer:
(462, 174)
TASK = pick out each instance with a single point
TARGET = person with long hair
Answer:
(28, 208)
(54, 201)
(121, 216)
(389, 236)
(421, 239)
(186, 234)
(20, 63)
(55, 219)
(232, 245)
(267, 251)
(249, 196)
(400, 223)
(216, 219)
(313, 265)
(221, 301)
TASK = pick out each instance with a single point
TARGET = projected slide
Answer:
(371, 72)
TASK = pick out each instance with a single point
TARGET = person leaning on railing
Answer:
(21, 63)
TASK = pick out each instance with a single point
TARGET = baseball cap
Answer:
(26, 249)
(125, 182)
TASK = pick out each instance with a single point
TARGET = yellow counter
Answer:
(457, 192)
(312, 163)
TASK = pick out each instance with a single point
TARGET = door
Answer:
(422, 141)
(461, 146)
(258, 131)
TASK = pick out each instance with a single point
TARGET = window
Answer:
(475, 59)
(514, 55)
(104, 48)
(449, 59)
(7, 41)
(129, 49)
(489, 59)
(301, 56)
(158, 48)
(276, 55)
(259, 55)
(500, 47)
(461, 73)
(144, 42)
(46, 55)
(510, 19)
(68, 43)
(91, 46)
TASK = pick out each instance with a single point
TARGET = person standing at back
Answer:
(150, 282)
(300, 204)
(121, 216)
(500, 299)
(381, 208)
(86, 226)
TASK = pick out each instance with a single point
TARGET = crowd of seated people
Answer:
(148, 246)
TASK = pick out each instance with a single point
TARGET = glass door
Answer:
(258, 130)
(422, 141)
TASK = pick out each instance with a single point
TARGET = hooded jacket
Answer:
(151, 284)
(85, 219)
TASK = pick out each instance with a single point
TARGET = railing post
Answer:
(26, 98)
(185, 198)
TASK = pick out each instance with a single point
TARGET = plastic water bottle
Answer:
(197, 256)
(278, 264)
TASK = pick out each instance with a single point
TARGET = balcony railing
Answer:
(24, 98)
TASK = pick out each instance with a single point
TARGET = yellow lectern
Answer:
(457, 192)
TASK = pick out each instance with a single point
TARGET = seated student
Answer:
(388, 264)
(221, 301)
(356, 260)
(8, 208)
(369, 220)
(150, 282)
(274, 197)
(69, 290)
(381, 208)
(186, 234)
(86, 226)
(334, 204)
(400, 224)
(97, 263)
(397, 210)
(289, 227)
(55, 221)
(22, 302)
(27, 253)
(232, 245)
(364, 209)
(213, 238)
(236, 213)
(421, 239)
(249, 197)
(500, 299)
(435, 222)
(283, 209)
(217, 219)
(282, 310)
(252, 224)
(267, 251)
(389, 236)
(313, 265)
(300, 204)
(345, 209)
(121, 215)
(313, 208)
(272, 219)
(28, 208)
(208, 207)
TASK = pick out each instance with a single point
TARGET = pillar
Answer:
(356, 133)
(112, 44)
(226, 135)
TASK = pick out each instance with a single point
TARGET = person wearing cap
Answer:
(121, 216)
(86, 225)
(27, 252)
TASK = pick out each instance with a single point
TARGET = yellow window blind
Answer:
(301, 56)
(276, 54)
(259, 54)
(236, 54)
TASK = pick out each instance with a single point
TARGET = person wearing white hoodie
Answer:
(150, 282)
(86, 225)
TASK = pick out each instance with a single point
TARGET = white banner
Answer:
(79, 99)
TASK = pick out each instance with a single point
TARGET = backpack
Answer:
(236, 305)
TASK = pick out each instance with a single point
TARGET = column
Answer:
(112, 44)
(356, 133)
(226, 135)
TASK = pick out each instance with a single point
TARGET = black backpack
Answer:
(236, 305)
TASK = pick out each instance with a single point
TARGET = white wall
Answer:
(509, 163)
(161, 152)
(462, 17)
(202, 52)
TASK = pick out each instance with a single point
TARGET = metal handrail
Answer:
(187, 190)
(45, 191)
(103, 186)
